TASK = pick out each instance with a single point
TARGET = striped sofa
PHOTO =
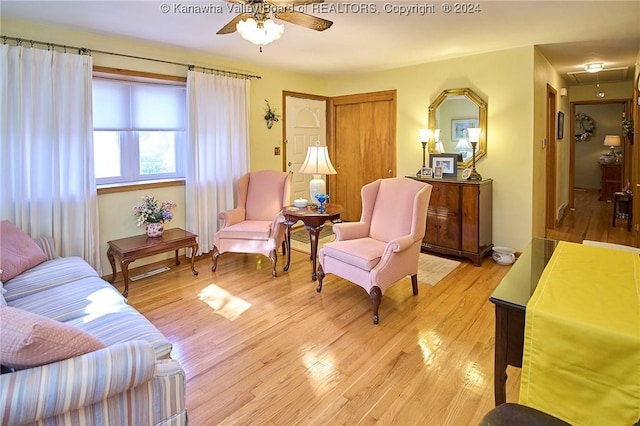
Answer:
(132, 381)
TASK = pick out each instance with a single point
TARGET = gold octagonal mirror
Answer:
(450, 115)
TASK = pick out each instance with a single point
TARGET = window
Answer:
(139, 130)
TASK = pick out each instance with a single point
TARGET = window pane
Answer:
(106, 154)
(157, 152)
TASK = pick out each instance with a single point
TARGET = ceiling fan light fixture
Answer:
(260, 33)
(595, 67)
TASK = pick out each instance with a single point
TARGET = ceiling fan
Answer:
(260, 12)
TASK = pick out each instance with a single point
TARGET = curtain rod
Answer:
(85, 51)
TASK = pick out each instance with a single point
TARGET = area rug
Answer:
(431, 269)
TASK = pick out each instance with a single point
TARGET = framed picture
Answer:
(438, 172)
(560, 124)
(447, 162)
(459, 128)
(426, 172)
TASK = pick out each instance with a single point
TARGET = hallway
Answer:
(591, 220)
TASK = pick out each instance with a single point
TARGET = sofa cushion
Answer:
(18, 252)
(29, 340)
(122, 324)
(3, 301)
(88, 296)
(49, 274)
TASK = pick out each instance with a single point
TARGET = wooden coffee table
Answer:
(314, 221)
(132, 248)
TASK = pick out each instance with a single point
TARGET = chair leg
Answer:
(320, 275)
(376, 298)
(284, 248)
(414, 284)
(273, 255)
(214, 257)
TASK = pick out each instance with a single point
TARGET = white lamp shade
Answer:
(463, 145)
(425, 135)
(317, 163)
(260, 32)
(612, 140)
(474, 134)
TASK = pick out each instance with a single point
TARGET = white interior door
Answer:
(306, 123)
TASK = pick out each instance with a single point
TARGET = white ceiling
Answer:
(367, 36)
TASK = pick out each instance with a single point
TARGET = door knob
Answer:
(389, 171)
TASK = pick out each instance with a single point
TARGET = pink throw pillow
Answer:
(18, 252)
(30, 340)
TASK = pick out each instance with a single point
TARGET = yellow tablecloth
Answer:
(581, 358)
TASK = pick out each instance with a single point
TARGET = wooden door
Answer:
(550, 162)
(362, 147)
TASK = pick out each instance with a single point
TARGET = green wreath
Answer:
(586, 125)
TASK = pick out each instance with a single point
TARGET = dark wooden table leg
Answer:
(501, 348)
(124, 266)
(112, 261)
(194, 250)
(314, 236)
(287, 237)
(177, 258)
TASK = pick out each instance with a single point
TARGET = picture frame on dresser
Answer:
(448, 163)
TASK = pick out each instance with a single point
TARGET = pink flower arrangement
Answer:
(149, 212)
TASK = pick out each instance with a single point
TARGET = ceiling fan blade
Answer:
(280, 3)
(309, 21)
(231, 26)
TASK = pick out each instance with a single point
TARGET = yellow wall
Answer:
(545, 74)
(504, 80)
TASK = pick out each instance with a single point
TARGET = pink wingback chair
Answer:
(255, 225)
(384, 246)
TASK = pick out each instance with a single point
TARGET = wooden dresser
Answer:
(459, 220)
(611, 180)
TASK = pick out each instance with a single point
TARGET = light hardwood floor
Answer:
(271, 351)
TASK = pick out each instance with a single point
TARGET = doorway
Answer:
(605, 118)
(305, 123)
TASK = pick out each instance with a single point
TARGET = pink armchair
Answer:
(255, 225)
(384, 246)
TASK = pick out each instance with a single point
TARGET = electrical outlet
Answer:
(276, 150)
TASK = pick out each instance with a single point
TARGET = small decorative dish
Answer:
(504, 255)
(300, 202)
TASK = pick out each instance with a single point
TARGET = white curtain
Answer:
(46, 166)
(218, 154)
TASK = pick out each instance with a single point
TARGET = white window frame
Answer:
(129, 140)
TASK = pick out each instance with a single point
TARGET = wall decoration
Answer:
(560, 124)
(459, 128)
(584, 127)
(627, 129)
(270, 116)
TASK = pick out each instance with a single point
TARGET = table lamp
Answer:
(317, 163)
(474, 137)
(425, 135)
(612, 141)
